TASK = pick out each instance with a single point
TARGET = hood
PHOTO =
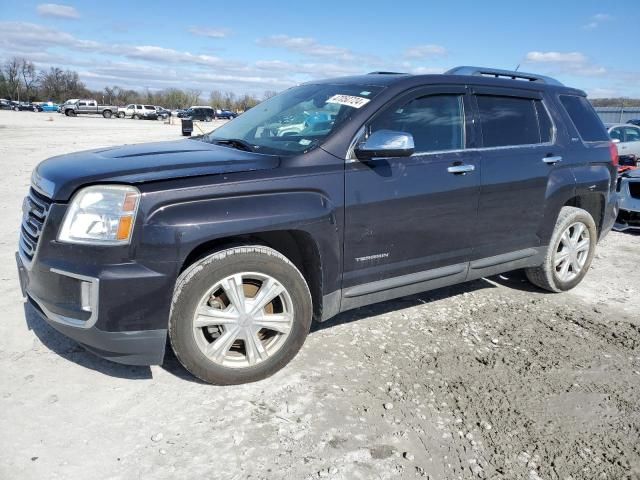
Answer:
(635, 173)
(59, 177)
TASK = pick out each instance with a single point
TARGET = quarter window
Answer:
(585, 118)
(509, 121)
(436, 122)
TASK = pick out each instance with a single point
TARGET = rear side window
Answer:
(508, 121)
(584, 118)
(544, 122)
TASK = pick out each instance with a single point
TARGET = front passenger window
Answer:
(616, 134)
(632, 134)
(436, 122)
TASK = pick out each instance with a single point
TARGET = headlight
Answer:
(101, 215)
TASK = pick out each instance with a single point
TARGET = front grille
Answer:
(634, 189)
(35, 210)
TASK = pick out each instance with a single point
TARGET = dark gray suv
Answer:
(330, 196)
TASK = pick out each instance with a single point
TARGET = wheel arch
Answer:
(296, 245)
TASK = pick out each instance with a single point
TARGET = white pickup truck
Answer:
(138, 112)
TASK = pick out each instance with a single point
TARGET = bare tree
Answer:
(29, 78)
(11, 70)
(268, 94)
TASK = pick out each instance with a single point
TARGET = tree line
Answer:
(21, 80)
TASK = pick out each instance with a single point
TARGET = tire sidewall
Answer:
(578, 216)
(201, 278)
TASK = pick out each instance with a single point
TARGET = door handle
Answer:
(457, 169)
(552, 160)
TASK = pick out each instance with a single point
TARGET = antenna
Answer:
(517, 68)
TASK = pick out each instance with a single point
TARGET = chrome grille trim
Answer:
(35, 211)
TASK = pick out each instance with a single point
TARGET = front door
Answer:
(414, 214)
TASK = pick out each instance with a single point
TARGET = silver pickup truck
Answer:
(81, 106)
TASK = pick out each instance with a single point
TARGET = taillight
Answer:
(613, 150)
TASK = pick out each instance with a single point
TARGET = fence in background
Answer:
(618, 114)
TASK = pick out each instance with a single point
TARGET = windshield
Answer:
(297, 120)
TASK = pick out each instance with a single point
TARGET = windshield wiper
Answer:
(234, 143)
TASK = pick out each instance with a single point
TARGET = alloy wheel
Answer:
(572, 252)
(243, 320)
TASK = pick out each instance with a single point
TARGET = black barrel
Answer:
(187, 127)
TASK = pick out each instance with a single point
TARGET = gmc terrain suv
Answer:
(232, 243)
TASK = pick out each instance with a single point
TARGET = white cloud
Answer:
(570, 63)
(596, 20)
(306, 46)
(57, 11)
(209, 32)
(425, 51)
(556, 57)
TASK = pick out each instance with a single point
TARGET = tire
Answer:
(70, 113)
(106, 114)
(121, 114)
(558, 275)
(186, 134)
(136, 116)
(207, 119)
(201, 284)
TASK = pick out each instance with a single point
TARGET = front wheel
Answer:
(136, 117)
(121, 114)
(569, 254)
(239, 315)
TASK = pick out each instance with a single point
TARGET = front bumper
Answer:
(75, 305)
(629, 204)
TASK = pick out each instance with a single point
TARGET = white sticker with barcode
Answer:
(349, 100)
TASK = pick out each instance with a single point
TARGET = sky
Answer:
(257, 46)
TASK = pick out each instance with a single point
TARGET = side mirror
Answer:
(385, 143)
(616, 140)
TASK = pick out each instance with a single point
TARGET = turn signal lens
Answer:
(613, 150)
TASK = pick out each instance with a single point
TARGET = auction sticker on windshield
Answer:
(349, 100)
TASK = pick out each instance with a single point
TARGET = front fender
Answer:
(177, 229)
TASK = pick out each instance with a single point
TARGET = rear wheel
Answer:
(239, 315)
(569, 254)
(106, 114)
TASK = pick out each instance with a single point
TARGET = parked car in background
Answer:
(180, 112)
(202, 113)
(138, 112)
(87, 106)
(225, 114)
(230, 246)
(163, 112)
(5, 104)
(628, 189)
(627, 139)
(24, 107)
(49, 107)
(634, 121)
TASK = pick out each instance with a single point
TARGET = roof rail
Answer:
(386, 73)
(497, 73)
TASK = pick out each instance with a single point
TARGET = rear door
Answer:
(413, 214)
(519, 153)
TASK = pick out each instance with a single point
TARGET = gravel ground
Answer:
(490, 379)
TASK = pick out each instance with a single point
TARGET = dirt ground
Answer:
(489, 379)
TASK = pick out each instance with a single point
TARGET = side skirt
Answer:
(404, 285)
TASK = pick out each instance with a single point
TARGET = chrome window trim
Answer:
(350, 157)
